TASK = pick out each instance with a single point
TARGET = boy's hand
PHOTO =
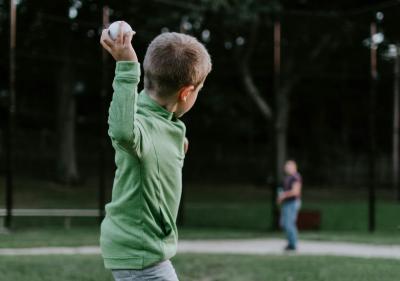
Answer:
(121, 49)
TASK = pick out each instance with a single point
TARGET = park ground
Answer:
(238, 212)
(204, 267)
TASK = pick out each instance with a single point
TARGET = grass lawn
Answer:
(237, 212)
(199, 267)
(336, 216)
(47, 236)
(241, 207)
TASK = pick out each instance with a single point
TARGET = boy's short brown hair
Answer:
(174, 60)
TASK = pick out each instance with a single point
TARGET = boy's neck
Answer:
(169, 105)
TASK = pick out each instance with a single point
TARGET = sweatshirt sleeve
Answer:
(122, 112)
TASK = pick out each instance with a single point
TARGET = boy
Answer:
(290, 198)
(139, 233)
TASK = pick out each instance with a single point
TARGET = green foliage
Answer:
(243, 8)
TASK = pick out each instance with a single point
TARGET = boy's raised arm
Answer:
(122, 110)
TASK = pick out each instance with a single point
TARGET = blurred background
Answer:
(314, 81)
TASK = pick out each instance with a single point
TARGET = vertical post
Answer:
(396, 123)
(373, 88)
(181, 211)
(278, 166)
(11, 116)
(103, 93)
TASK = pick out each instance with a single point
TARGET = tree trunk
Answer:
(396, 124)
(252, 90)
(243, 57)
(281, 127)
(67, 171)
(280, 117)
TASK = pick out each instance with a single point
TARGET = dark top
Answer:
(288, 183)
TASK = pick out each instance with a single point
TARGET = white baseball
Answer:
(113, 29)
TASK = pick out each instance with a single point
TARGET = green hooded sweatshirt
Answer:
(139, 228)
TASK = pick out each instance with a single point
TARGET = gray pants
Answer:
(163, 271)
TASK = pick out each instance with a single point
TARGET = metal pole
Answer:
(396, 123)
(11, 116)
(102, 146)
(373, 88)
(277, 78)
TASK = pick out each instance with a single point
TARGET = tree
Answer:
(57, 41)
(242, 24)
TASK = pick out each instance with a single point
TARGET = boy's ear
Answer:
(184, 92)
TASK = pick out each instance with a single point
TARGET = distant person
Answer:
(289, 197)
(139, 234)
